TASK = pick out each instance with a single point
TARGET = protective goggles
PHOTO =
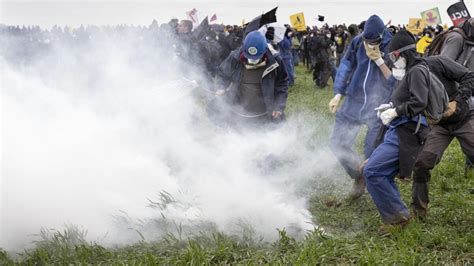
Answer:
(375, 41)
(396, 54)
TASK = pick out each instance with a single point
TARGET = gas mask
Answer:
(372, 43)
(399, 68)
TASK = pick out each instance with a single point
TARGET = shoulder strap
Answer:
(425, 66)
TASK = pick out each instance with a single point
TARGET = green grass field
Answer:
(350, 236)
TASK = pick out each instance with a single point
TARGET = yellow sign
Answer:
(415, 25)
(297, 21)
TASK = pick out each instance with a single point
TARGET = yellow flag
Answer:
(297, 21)
(416, 25)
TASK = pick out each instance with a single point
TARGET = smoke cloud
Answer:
(110, 135)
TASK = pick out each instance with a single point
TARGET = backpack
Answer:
(436, 45)
(438, 98)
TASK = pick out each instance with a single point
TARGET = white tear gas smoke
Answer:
(111, 128)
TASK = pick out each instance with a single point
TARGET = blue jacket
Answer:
(360, 79)
(285, 48)
(274, 79)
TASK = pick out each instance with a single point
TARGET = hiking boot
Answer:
(386, 230)
(358, 188)
(419, 214)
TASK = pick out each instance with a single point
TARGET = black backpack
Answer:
(438, 98)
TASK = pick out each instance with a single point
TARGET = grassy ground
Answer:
(351, 228)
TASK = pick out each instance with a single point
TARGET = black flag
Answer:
(200, 31)
(458, 13)
(261, 20)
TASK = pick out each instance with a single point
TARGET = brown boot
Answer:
(387, 229)
(420, 200)
(358, 188)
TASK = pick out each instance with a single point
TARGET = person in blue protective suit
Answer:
(407, 127)
(364, 86)
(287, 56)
(255, 81)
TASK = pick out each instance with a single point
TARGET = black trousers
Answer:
(436, 143)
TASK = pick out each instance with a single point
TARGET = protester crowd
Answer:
(414, 97)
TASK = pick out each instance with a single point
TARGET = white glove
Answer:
(334, 103)
(388, 115)
(383, 107)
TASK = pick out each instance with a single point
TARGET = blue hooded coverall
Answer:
(364, 87)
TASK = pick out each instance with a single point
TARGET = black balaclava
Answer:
(411, 56)
(468, 28)
(401, 39)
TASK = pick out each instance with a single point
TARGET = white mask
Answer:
(253, 62)
(400, 63)
(399, 68)
(328, 35)
(398, 73)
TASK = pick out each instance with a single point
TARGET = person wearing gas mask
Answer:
(458, 46)
(405, 140)
(361, 81)
(255, 80)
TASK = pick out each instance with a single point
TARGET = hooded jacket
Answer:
(360, 79)
(285, 48)
(411, 94)
(274, 79)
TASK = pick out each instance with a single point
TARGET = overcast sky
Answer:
(75, 13)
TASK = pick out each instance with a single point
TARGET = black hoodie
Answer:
(410, 97)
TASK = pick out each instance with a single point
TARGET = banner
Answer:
(192, 15)
(458, 13)
(298, 22)
(415, 25)
(431, 17)
(213, 18)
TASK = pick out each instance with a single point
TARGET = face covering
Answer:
(328, 35)
(400, 63)
(253, 62)
(399, 68)
(398, 73)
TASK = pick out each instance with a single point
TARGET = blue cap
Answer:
(255, 45)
